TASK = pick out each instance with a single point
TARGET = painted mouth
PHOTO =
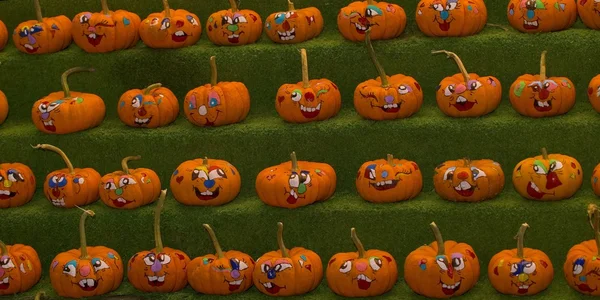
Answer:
(445, 25)
(179, 36)
(450, 289)
(523, 289)
(58, 202)
(272, 288)
(142, 122)
(235, 285)
(310, 112)
(30, 48)
(49, 125)
(462, 104)
(585, 288)
(530, 25)
(234, 38)
(542, 106)
(534, 191)
(362, 28)
(4, 284)
(5, 194)
(465, 189)
(287, 35)
(156, 280)
(293, 197)
(94, 39)
(120, 202)
(385, 185)
(88, 284)
(364, 282)
(391, 108)
(207, 195)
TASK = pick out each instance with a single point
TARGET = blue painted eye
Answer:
(36, 29)
(24, 32)
(213, 102)
(279, 18)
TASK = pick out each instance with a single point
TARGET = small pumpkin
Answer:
(532, 16)
(595, 181)
(303, 183)
(3, 35)
(520, 271)
(468, 181)
(87, 271)
(67, 112)
(581, 266)
(234, 27)
(205, 182)
(170, 28)
(152, 107)
(467, 94)
(593, 93)
(217, 103)
(540, 96)
(224, 273)
(70, 187)
(385, 20)
(17, 185)
(20, 268)
(3, 107)
(387, 98)
(438, 18)
(365, 273)
(391, 180)
(548, 177)
(129, 188)
(442, 269)
(309, 100)
(287, 272)
(294, 25)
(42, 35)
(589, 12)
(162, 269)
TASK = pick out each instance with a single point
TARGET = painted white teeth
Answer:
(293, 193)
(28, 46)
(179, 33)
(207, 193)
(310, 109)
(58, 202)
(234, 36)
(364, 277)
(48, 123)
(465, 185)
(122, 200)
(238, 282)
(360, 27)
(90, 282)
(3, 192)
(461, 99)
(161, 278)
(152, 278)
(92, 36)
(535, 187)
(533, 23)
(22, 268)
(142, 121)
(267, 285)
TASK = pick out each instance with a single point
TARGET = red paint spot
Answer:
(422, 4)
(512, 6)
(573, 165)
(310, 97)
(209, 27)
(389, 259)
(280, 99)
(308, 267)
(179, 24)
(545, 264)
(253, 17)
(334, 85)
(590, 90)
(471, 254)
(331, 261)
(583, 2)
(418, 86)
(496, 271)
(415, 166)
(180, 256)
(179, 179)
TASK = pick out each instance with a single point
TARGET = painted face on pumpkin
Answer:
(362, 21)
(11, 182)
(465, 95)
(206, 110)
(286, 24)
(8, 271)
(464, 180)
(32, 37)
(233, 25)
(384, 177)
(443, 12)
(363, 271)
(208, 181)
(177, 28)
(61, 185)
(96, 27)
(391, 100)
(451, 272)
(233, 270)
(156, 268)
(545, 177)
(305, 102)
(143, 109)
(84, 274)
(586, 275)
(522, 275)
(47, 111)
(276, 274)
(542, 94)
(123, 191)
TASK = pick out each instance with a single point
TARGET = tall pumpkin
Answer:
(385, 20)
(170, 28)
(294, 25)
(152, 107)
(3, 107)
(234, 27)
(589, 12)
(468, 181)
(20, 268)
(391, 180)
(593, 93)
(451, 18)
(129, 188)
(42, 35)
(532, 16)
(582, 263)
(17, 185)
(309, 100)
(3, 35)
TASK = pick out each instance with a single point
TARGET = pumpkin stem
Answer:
(65, 75)
(38, 11)
(234, 5)
(438, 239)
(357, 243)
(213, 70)
(82, 239)
(150, 88)
(373, 55)
(370, 2)
(545, 153)
(105, 9)
(40, 295)
(594, 218)
(520, 237)
(543, 66)
(294, 162)
(60, 152)
(390, 159)
(305, 79)
(467, 161)
(167, 8)
(284, 250)
(3, 249)
(214, 240)
(157, 211)
(291, 5)
(127, 159)
(459, 62)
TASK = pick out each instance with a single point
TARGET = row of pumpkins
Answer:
(442, 269)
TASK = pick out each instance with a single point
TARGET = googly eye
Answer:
(403, 90)
(529, 268)
(149, 259)
(475, 85)
(110, 186)
(442, 264)
(196, 174)
(216, 173)
(83, 19)
(99, 264)
(438, 7)
(70, 270)
(458, 263)
(136, 101)
(477, 173)
(449, 174)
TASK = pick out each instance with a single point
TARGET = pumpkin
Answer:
(438, 18)
(130, 188)
(67, 112)
(106, 31)
(162, 269)
(593, 93)
(309, 100)
(582, 264)
(224, 273)
(287, 272)
(387, 98)
(87, 271)
(468, 181)
(385, 20)
(294, 25)
(217, 103)
(20, 268)
(441, 269)
(70, 187)
(532, 16)
(152, 107)
(42, 35)
(595, 183)
(170, 28)
(3, 107)
(391, 180)
(205, 182)
(548, 177)
(3, 35)
(365, 273)
(17, 185)
(520, 271)
(234, 27)
(589, 12)
(303, 183)
(540, 96)
(467, 94)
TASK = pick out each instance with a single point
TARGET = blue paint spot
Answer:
(54, 26)
(375, 8)
(469, 7)
(126, 21)
(122, 103)
(279, 19)
(303, 257)
(209, 183)
(511, 11)
(530, 14)
(268, 26)
(423, 266)
(213, 102)
(384, 174)
(595, 180)
(111, 255)
(176, 172)
(444, 15)
(562, 6)
(271, 274)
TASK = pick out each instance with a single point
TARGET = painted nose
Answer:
(179, 24)
(444, 14)
(531, 13)
(552, 181)
(582, 278)
(389, 99)
(232, 28)
(361, 266)
(209, 183)
(463, 175)
(142, 111)
(544, 94)
(461, 88)
(85, 271)
(157, 266)
(45, 116)
(235, 274)
(55, 192)
(31, 39)
(271, 274)
(92, 29)
(286, 25)
(523, 277)
(310, 97)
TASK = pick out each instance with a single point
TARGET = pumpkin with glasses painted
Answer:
(468, 180)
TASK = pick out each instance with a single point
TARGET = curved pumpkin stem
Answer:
(234, 5)
(373, 55)
(150, 88)
(213, 70)
(167, 8)
(438, 239)
(105, 9)
(284, 250)
(127, 159)
(214, 240)
(294, 162)
(3, 249)
(40, 295)
(65, 76)
(82, 238)
(60, 152)
(594, 218)
(543, 66)
(459, 62)
(305, 79)
(291, 5)
(357, 243)
(38, 11)
(545, 153)
(520, 237)
(157, 211)
(390, 160)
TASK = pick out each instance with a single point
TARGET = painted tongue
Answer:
(310, 114)
(234, 287)
(274, 289)
(464, 106)
(118, 203)
(6, 197)
(179, 38)
(523, 291)
(585, 288)
(466, 193)
(51, 128)
(533, 193)
(448, 291)
(363, 284)
(4, 286)
(95, 41)
(444, 26)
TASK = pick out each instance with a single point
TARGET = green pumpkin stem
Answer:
(520, 237)
(213, 71)
(40, 295)
(157, 211)
(544, 154)
(127, 159)
(291, 5)
(105, 9)
(594, 218)
(65, 76)
(60, 152)
(167, 8)
(305, 78)
(3, 250)
(234, 5)
(384, 79)
(214, 240)
(390, 160)
(150, 88)
(38, 11)
(357, 243)
(458, 61)
(82, 239)
(438, 239)
(294, 162)
(284, 250)
(543, 66)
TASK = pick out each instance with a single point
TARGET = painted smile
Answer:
(310, 112)
(30, 48)
(235, 285)
(120, 202)
(462, 104)
(142, 122)
(49, 125)
(94, 39)
(58, 202)
(542, 105)
(364, 282)
(585, 288)
(523, 289)
(391, 108)
(531, 25)
(4, 284)
(287, 35)
(156, 280)
(385, 185)
(272, 288)
(293, 197)
(233, 37)
(450, 289)
(207, 195)
(179, 36)
(465, 189)
(534, 191)
(88, 284)
(5, 194)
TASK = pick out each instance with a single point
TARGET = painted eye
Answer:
(217, 173)
(294, 181)
(539, 170)
(53, 106)
(442, 264)
(438, 7)
(70, 270)
(265, 268)
(110, 186)
(304, 177)
(546, 85)
(371, 173)
(99, 264)
(199, 174)
(375, 263)
(166, 23)
(475, 85)
(556, 165)
(212, 102)
(126, 181)
(149, 259)
(164, 258)
(241, 19)
(287, 15)
(136, 101)
(529, 268)
(154, 21)
(7, 263)
(458, 263)
(451, 5)
(449, 173)
(226, 20)
(242, 265)
(403, 90)
(514, 268)
(477, 173)
(535, 88)
(282, 267)
(15, 176)
(577, 269)
(84, 19)
(192, 20)
(449, 90)
(346, 267)
(372, 13)
(296, 96)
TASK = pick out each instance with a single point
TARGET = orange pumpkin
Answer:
(217, 103)
(294, 25)
(129, 189)
(532, 16)
(17, 185)
(153, 107)
(442, 269)
(589, 12)
(3, 35)
(67, 112)
(391, 180)
(42, 35)
(467, 94)
(87, 271)
(170, 28)
(3, 107)
(287, 272)
(439, 18)
(385, 20)
(548, 177)
(520, 271)
(595, 183)
(593, 93)
(224, 273)
(234, 27)
(469, 181)
(20, 268)
(582, 263)
(309, 100)
(70, 187)
(540, 96)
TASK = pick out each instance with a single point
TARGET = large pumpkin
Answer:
(301, 182)
(152, 107)
(548, 177)
(540, 96)
(170, 28)
(593, 93)
(309, 100)
(87, 271)
(385, 20)
(67, 112)
(205, 182)
(467, 94)
(223, 273)
(234, 27)
(532, 16)
(70, 187)
(451, 18)
(467, 180)
(582, 263)
(162, 269)
(20, 268)
(294, 25)
(391, 180)
(365, 273)
(42, 35)
(442, 269)
(3, 107)
(3, 35)
(589, 12)
(387, 98)
(287, 272)
(129, 188)
(217, 103)
(17, 185)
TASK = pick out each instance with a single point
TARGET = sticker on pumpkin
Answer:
(129, 188)
(16, 265)
(17, 184)
(42, 35)
(391, 180)
(469, 181)
(440, 18)
(153, 107)
(532, 16)
(294, 25)
(385, 20)
(582, 263)
(170, 28)
(234, 27)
